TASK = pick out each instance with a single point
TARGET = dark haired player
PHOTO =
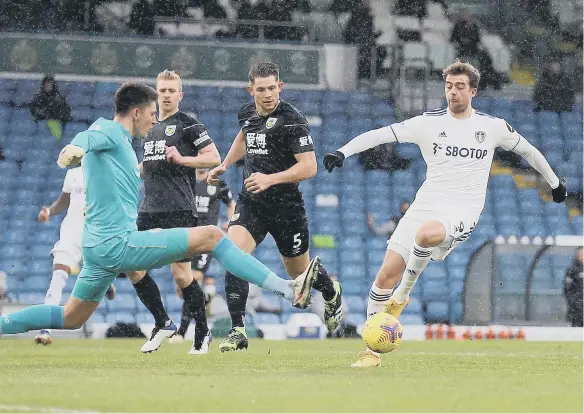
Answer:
(279, 153)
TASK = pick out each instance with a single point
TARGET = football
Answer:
(382, 333)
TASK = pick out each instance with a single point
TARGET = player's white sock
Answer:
(378, 298)
(55, 292)
(417, 262)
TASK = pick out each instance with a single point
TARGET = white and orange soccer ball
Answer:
(382, 333)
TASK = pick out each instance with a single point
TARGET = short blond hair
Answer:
(463, 68)
(169, 75)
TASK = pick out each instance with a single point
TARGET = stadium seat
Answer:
(436, 290)
(437, 312)
(144, 317)
(125, 317)
(355, 319)
(266, 318)
(414, 306)
(351, 272)
(356, 304)
(123, 302)
(412, 319)
(456, 311)
(32, 297)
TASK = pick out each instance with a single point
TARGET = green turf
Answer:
(288, 376)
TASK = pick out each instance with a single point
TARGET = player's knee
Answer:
(183, 279)
(135, 277)
(430, 234)
(198, 275)
(204, 239)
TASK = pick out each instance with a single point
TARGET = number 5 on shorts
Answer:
(297, 241)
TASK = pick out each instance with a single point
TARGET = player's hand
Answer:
(70, 155)
(560, 193)
(258, 182)
(333, 159)
(172, 155)
(44, 214)
(215, 173)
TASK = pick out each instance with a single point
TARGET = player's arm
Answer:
(201, 145)
(513, 141)
(84, 142)
(56, 207)
(304, 169)
(236, 152)
(207, 157)
(407, 131)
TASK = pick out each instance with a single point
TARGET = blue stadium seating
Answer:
(25, 244)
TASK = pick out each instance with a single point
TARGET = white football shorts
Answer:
(67, 251)
(458, 229)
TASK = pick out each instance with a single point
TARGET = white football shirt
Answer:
(458, 154)
(74, 185)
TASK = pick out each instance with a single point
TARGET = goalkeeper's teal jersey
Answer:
(112, 179)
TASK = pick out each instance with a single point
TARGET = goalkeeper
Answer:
(111, 243)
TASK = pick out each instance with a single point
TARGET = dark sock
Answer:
(195, 300)
(149, 294)
(324, 284)
(237, 291)
(185, 319)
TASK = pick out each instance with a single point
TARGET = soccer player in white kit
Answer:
(457, 144)
(67, 251)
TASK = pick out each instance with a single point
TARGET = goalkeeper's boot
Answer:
(201, 345)
(158, 336)
(367, 359)
(43, 338)
(395, 308)
(333, 309)
(302, 285)
(236, 340)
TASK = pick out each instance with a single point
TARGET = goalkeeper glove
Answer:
(70, 155)
(560, 193)
(333, 159)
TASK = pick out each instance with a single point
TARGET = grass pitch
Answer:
(291, 376)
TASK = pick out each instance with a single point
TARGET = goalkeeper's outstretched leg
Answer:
(152, 249)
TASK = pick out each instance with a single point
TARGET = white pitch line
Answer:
(27, 408)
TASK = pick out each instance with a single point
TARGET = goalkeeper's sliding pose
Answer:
(111, 242)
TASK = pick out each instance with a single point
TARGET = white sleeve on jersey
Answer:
(410, 130)
(368, 140)
(67, 187)
(537, 161)
(511, 140)
(508, 137)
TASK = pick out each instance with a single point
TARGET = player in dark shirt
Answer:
(172, 149)
(208, 199)
(279, 153)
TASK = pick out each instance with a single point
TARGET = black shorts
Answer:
(170, 220)
(201, 262)
(287, 225)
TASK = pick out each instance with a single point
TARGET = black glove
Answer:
(560, 193)
(333, 159)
